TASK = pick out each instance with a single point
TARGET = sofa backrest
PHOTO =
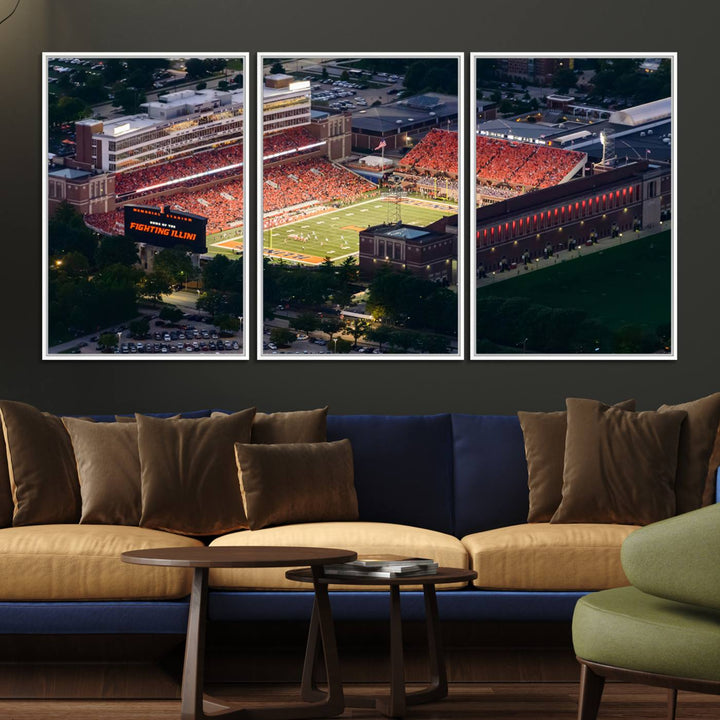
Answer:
(403, 467)
(490, 482)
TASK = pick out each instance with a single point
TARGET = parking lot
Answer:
(355, 94)
(194, 334)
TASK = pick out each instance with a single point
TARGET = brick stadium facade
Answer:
(87, 192)
(581, 211)
(423, 251)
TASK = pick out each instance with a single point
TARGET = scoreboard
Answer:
(165, 227)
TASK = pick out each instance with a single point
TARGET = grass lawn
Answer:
(629, 283)
(336, 234)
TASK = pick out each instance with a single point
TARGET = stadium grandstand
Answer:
(436, 153)
(313, 180)
(522, 166)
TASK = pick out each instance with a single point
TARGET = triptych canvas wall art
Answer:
(370, 229)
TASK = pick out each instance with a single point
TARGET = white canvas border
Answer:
(247, 104)
(460, 355)
(474, 355)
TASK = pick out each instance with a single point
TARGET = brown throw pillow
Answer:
(619, 466)
(710, 491)
(297, 483)
(108, 465)
(131, 418)
(697, 439)
(41, 466)
(297, 426)
(6, 500)
(188, 474)
(544, 435)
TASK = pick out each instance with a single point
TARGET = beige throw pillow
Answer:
(108, 466)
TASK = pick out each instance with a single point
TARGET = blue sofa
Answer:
(452, 473)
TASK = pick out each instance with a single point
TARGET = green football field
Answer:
(629, 283)
(335, 234)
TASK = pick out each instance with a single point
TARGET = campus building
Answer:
(175, 125)
(425, 252)
(396, 123)
(634, 196)
(86, 191)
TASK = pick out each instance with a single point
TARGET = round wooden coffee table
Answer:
(395, 704)
(201, 559)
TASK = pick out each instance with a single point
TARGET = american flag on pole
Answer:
(382, 144)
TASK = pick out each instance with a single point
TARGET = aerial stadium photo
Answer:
(574, 252)
(360, 246)
(144, 196)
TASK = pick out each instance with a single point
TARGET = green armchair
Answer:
(664, 629)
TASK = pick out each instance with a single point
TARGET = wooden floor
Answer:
(476, 701)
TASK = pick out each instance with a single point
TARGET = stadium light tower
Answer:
(393, 215)
(608, 143)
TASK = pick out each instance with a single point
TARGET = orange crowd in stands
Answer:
(290, 139)
(311, 180)
(436, 153)
(522, 164)
(287, 184)
(129, 182)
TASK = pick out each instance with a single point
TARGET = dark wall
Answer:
(219, 26)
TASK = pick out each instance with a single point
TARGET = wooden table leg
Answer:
(334, 703)
(195, 707)
(394, 706)
(308, 687)
(193, 669)
(438, 687)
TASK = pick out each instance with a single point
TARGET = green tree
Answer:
(129, 99)
(305, 322)
(345, 75)
(564, 80)
(277, 68)
(154, 285)
(324, 74)
(66, 110)
(195, 68)
(380, 334)
(282, 337)
(331, 325)
(108, 342)
(357, 328)
(405, 339)
(435, 344)
(213, 302)
(140, 327)
(116, 249)
(73, 264)
(227, 322)
(175, 264)
(201, 85)
(171, 313)
(67, 232)
(341, 346)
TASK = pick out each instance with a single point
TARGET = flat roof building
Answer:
(396, 122)
(423, 251)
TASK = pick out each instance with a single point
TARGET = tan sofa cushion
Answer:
(544, 556)
(82, 562)
(365, 538)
